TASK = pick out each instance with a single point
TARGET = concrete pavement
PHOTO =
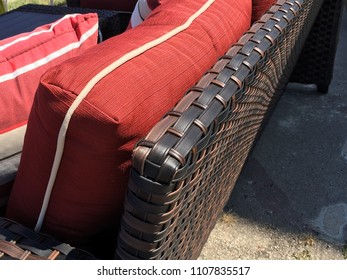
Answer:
(290, 201)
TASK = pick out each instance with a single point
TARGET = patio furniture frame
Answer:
(185, 169)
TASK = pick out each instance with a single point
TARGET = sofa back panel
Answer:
(259, 7)
(90, 111)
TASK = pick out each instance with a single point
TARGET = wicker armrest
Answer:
(18, 242)
(185, 169)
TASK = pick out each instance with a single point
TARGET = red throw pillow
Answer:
(259, 7)
(91, 110)
(23, 59)
(117, 5)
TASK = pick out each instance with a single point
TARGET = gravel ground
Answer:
(236, 238)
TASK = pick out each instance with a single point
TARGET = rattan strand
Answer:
(231, 102)
(18, 242)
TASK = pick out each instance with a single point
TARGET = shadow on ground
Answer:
(292, 193)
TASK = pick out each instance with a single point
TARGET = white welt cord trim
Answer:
(103, 73)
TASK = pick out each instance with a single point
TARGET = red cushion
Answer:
(23, 59)
(117, 5)
(101, 115)
(259, 7)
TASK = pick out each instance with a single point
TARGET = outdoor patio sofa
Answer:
(184, 170)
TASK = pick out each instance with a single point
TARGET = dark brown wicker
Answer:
(111, 23)
(73, 3)
(316, 62)
(20, 243)
(185, 169)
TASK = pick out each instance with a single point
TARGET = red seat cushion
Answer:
(259, 7)
(23, 59)
(91, 110)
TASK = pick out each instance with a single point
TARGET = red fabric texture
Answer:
(259, 7)
(18, 85)
(23, 60)
(119, 110)
(117, 5)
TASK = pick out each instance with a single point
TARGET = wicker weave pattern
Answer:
(185, 169)
(21, 243)
(73, 3)
(111, 23)
(315, 65)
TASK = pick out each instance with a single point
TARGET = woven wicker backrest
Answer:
(185, 169)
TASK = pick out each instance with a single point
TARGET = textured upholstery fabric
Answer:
(91, 110)
(259, 7)
(23, 59)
